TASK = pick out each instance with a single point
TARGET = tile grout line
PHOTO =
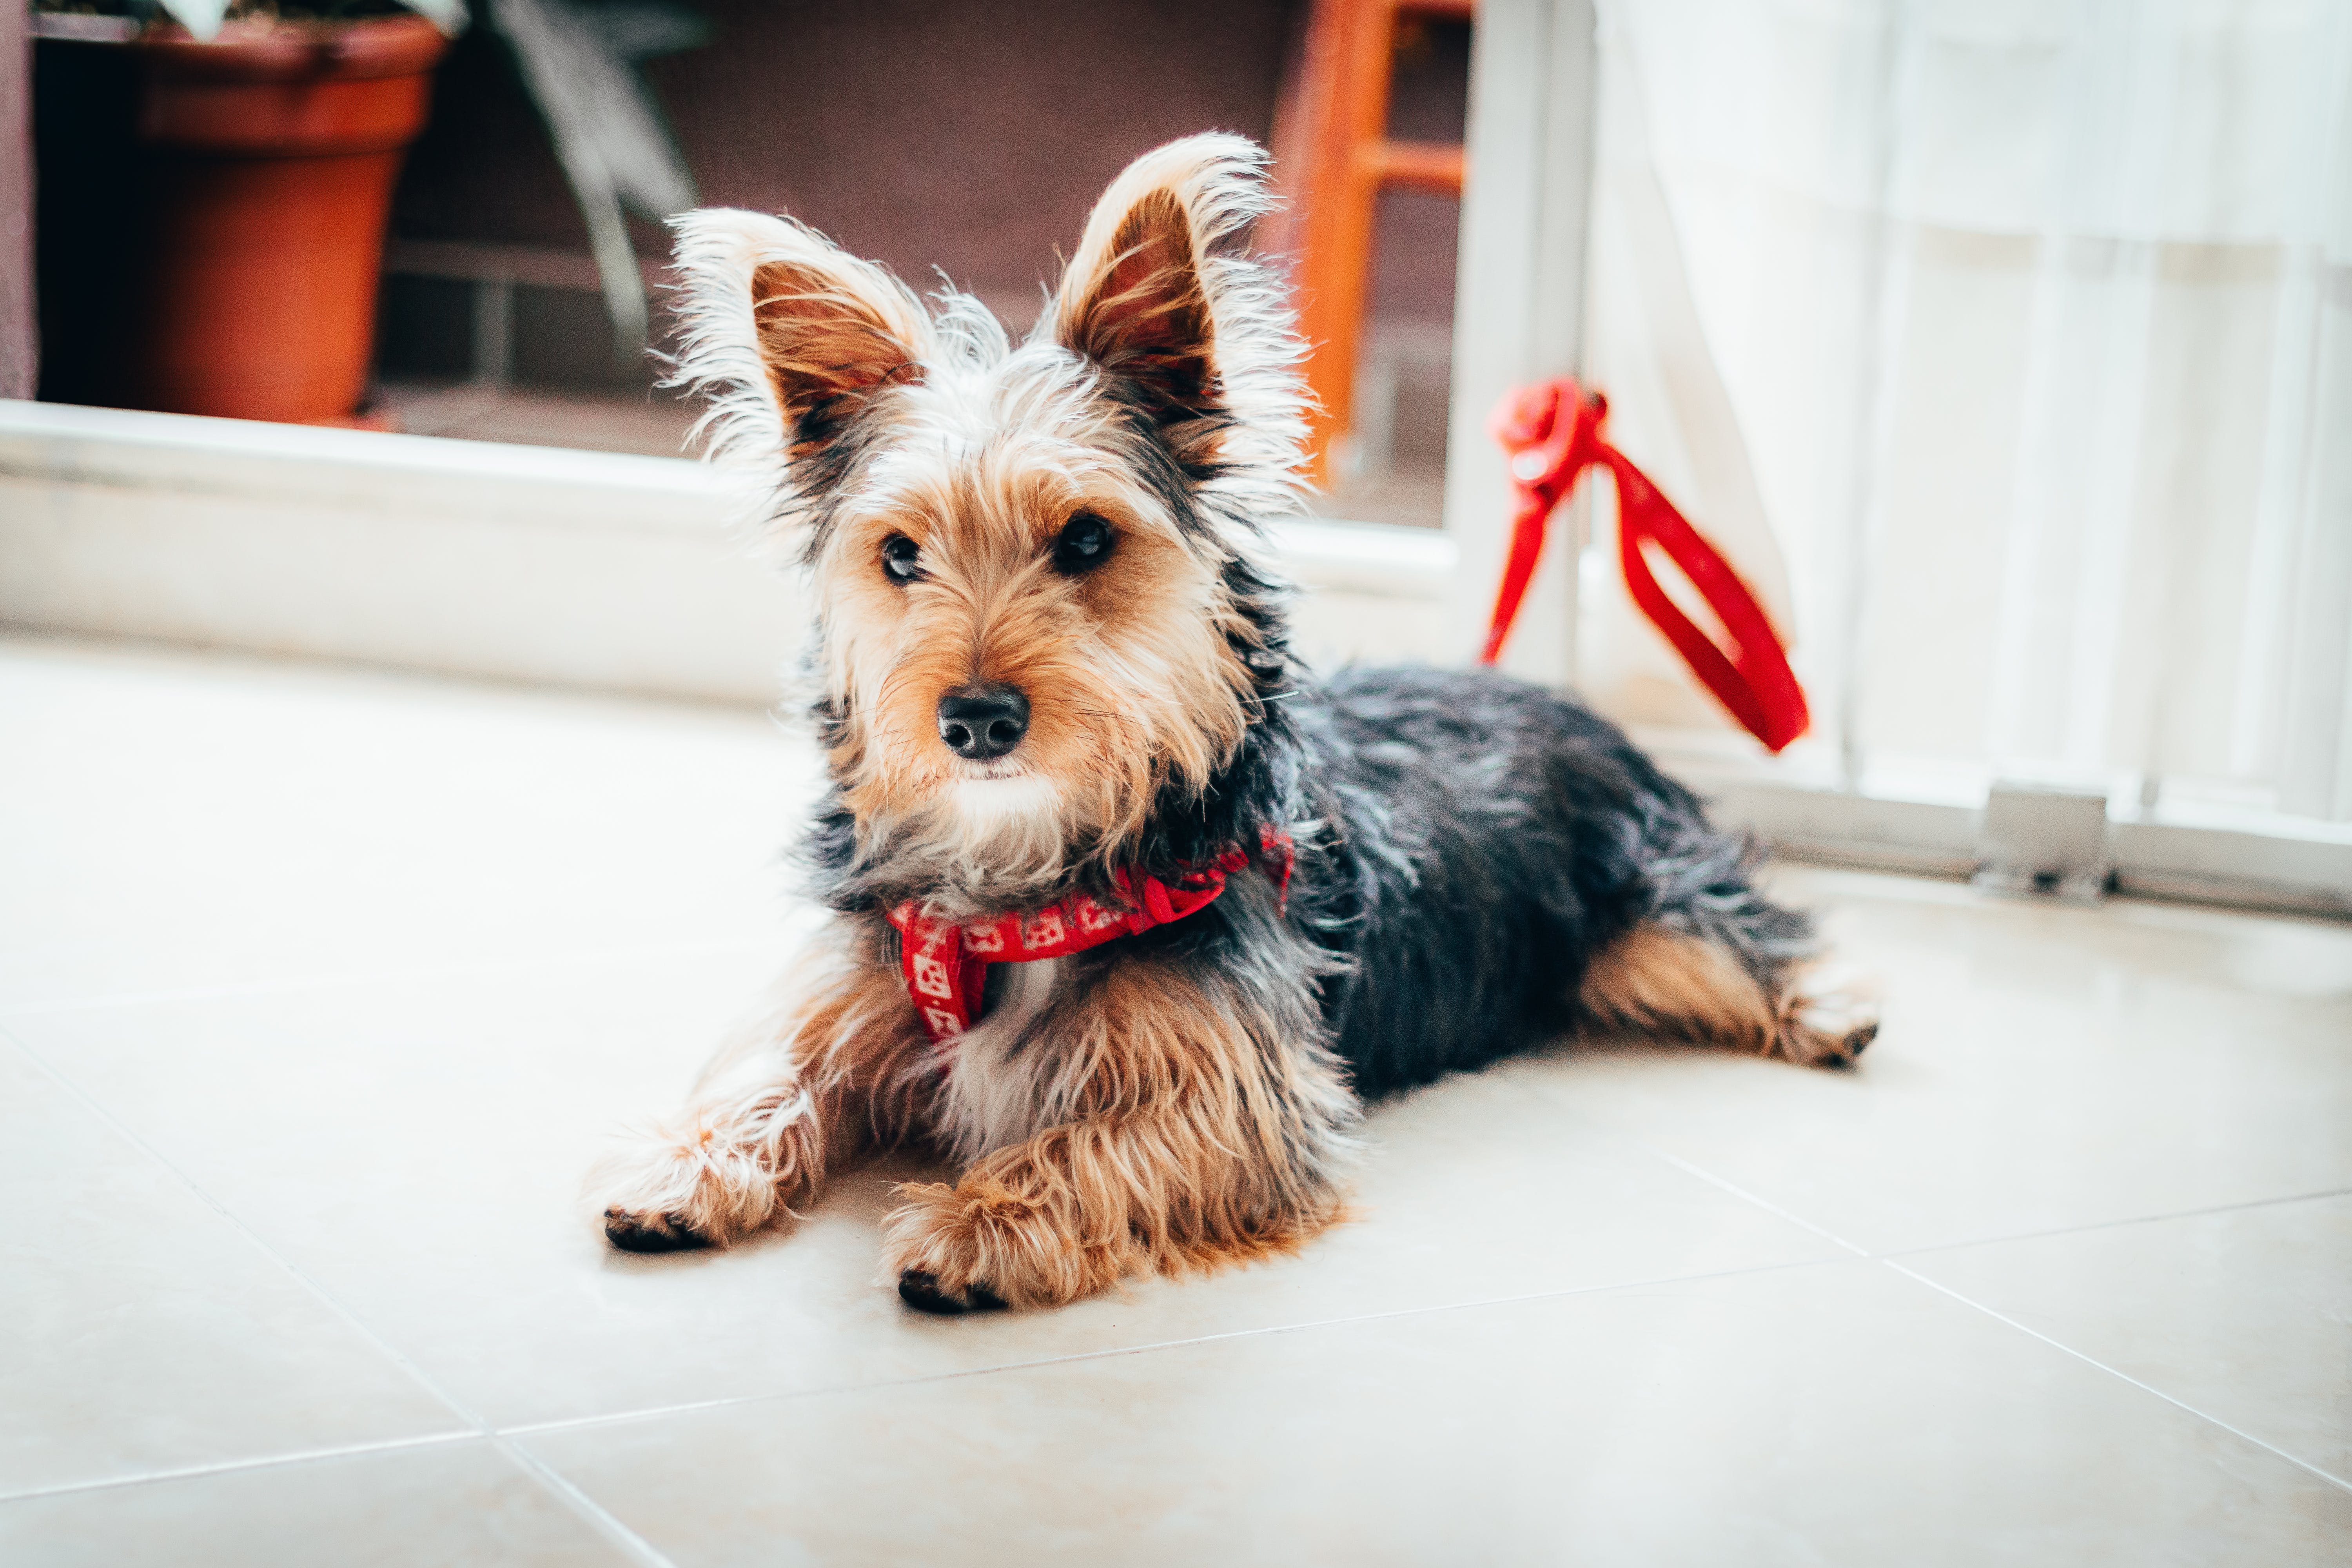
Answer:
(571, 1496)
(1641, 1139)
(1888, 1260)
(566, 960)
(588, 1509)
(1308, 1326)
(234, 1466)
(1994, 1240)
(2114, 1373)
(91, 1103)
(2098, 1224)
(1643, 1142)
(1724, 1184)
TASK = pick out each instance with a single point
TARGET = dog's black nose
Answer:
(983, 722)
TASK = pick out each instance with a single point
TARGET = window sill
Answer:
(534, 564)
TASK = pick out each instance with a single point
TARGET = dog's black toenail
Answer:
(921, 1290)
(636, 1239)
(631, 1234)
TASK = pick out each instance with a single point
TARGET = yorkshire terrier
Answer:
(1133, 911)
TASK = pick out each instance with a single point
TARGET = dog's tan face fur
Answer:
(1128, 668)
(1157, 386)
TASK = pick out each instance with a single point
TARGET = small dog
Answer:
(1133, 911)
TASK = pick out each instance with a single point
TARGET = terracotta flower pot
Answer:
(270, 155)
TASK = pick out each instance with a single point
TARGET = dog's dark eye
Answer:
(1083, 545)
(902, 558)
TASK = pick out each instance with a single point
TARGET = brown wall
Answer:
(968, 136)
(955, 133)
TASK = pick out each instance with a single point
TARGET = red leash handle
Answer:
(1552, 433)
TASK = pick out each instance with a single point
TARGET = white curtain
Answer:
(2034, 320)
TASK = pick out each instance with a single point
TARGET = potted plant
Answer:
(214, 245)
(263, 148)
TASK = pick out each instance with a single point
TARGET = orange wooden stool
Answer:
(1335, 158)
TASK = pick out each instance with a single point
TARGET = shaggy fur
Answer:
(1478, 861)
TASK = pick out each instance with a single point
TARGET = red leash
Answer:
(1552, 432)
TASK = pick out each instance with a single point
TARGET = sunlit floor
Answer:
(318, 990)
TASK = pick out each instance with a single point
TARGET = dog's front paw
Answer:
(633, 1230)
(1829, 1017)
(982, 1245)
(925, 1293)
(667, 1193)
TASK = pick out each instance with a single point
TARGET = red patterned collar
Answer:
(945, 966)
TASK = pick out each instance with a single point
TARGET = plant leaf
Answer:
(202, 18)
(449, 15)
(609, 136)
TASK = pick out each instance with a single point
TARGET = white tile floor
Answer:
(318, 989)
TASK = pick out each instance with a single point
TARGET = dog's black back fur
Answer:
(1491, 838)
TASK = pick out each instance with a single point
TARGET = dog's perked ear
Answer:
(789, 337)
(1146, 296)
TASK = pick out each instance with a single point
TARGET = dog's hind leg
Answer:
(809, 1085)
(1708, 986)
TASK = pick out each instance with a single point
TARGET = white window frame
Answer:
(1519, 302)
(619, 573)
(1518, 315)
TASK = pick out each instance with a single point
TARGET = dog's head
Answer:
(1038, 622)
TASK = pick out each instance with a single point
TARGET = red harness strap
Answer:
(1552, 432)
(945, 966)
